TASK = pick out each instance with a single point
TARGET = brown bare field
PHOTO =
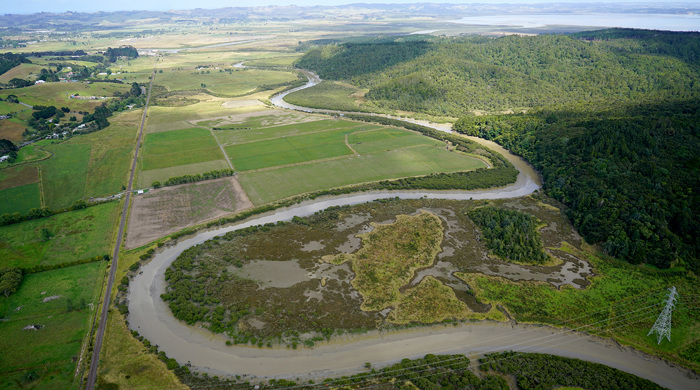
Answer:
(167, 210)
(18, 176)
(11, 131)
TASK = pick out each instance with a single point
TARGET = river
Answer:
(151, 317)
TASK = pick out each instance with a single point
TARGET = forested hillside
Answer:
(9, 61)
(613, 120)
(453, 76)
(629, 173)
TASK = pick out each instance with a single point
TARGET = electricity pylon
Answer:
(662, 326)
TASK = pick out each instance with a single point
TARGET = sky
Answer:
(32, 6)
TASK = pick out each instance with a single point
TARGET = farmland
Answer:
(330, 95)
(58, 94)
(385, 265)
(58, 239)
(268, 185)
(59, 303)
(238, 82)
(91, 165)
(179, 147)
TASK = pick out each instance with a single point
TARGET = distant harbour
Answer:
(670, 22)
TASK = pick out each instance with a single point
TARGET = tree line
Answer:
(215, 174)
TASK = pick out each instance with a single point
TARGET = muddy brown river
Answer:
(345, 355)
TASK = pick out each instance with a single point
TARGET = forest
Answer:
(610, 118)
(510, 234)
(451, 76)
(628, 173)
(540, 371)
(9, 61)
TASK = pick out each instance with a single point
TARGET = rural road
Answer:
(151, 317)
(94, 362)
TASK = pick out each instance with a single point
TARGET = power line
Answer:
(620, 320)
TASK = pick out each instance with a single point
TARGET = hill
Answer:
(630, 173)
(455, 76)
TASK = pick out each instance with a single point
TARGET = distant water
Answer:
(672, 22)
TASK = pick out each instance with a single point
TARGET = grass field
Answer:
(146, 178)
(64, 176)
(9, 107)
(74, 235)
(21, 71)
(218, 81)
(329, 95)
(289, 150)
(20, 199)
(178, 147)
(19, 189)
(208, 107)
(270, 185)
(254, 129)
(58, 94)
(50, 353)
(90, 165)
(384, 139)
(29, 153)
(12, 129)
(272, 62)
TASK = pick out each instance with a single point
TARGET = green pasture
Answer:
(58, 94)
(74, 235)
(64, 176)
(254, 130)
(9, 107)
(218, 81)
(45, 62)
(21, 71)
(269, 185)
(328, 95)
(20, 199)
(146, 178)
(173, 118)
(50, 353)
(281, 61)
(111, 152)
(90, 165)
(30, 153)
(178, 147)
(289, 150)
(383, 139)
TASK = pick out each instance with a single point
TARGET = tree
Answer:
(46, 234)
(12, 158)
(135, 89)
(19, 83)
(10, 279)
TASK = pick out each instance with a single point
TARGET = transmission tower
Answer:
(662, 326)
